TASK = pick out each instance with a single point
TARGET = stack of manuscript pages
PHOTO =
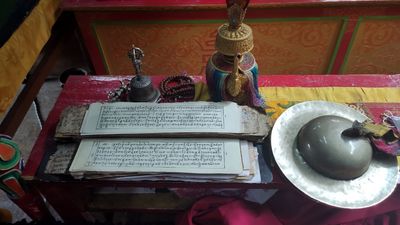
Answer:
(195, 141)
(155, 159)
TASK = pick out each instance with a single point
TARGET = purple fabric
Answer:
(287, 207)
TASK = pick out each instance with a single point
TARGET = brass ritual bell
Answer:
(140, 88)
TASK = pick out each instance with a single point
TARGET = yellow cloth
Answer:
(20, 52)
(278, 99)
(201, 92)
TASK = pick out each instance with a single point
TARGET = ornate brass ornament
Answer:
(232, 71)
(235, 37)
(234, 41)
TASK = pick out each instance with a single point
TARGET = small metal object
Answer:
(326, 150)
(376, 184)
(120, 93)
(140, 88)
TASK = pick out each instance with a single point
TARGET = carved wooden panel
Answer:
(295, 47)
(169, 48)
(303, 46)
(375, 47)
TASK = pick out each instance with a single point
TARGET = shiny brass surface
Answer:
(234, 41)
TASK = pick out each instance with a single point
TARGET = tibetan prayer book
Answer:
(189, 119)
(184, 159)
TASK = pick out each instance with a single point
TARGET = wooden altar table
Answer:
(74, 199)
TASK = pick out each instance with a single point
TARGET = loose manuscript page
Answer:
(70, 122)
(172, 155)
(58, 162)
(150, 118)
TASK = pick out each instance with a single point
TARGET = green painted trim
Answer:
(346, 57)
(127, 22)
(355, 32)
(294, 19)
(381, 17)
(337, 46)
(114, 22)
(103, 58)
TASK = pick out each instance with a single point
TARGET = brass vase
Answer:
(232, 70)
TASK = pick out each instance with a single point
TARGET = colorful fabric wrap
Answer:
(10, 168)
(219, 80)
(384, 138)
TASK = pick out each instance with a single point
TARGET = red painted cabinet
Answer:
(291, 37)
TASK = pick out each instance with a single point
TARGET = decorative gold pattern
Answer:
(295, 47)
(232, 42)
(285, 47)
(170, 48)
(376, 48)
(241, 33)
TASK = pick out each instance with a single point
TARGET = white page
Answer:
(172, 155)
(245, 145)
(150, 118)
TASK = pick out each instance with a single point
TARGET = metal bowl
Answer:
(322, 145)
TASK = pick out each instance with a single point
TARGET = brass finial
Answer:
(236, 12)
(235, 37)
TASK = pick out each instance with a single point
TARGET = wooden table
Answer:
(72, 199)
